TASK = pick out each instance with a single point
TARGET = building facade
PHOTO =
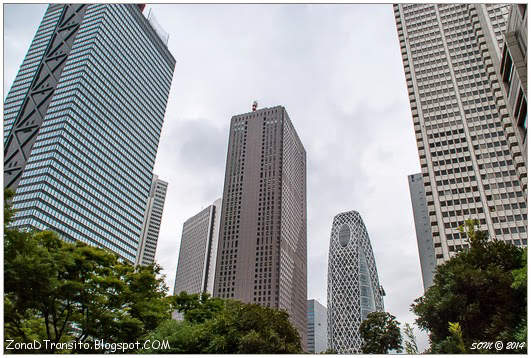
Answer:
(471, 160)
(82, 123)
(513, 70)
(354, 290)
(317, 331)
(152, 220)
(198, 251)
(422, 228)
(262, 243)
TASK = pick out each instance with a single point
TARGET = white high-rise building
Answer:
(354, 290)
(198, 253)
(471, 159)
(152, 220)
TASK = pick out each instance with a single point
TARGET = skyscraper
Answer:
(471, 159)
(354, 290)
(317, 331)
(262, 243)
(82, 124)
(422, 228)
(198, 251)
(152, 219)
(513, 69)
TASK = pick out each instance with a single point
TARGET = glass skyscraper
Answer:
(82, 124)
(317, 331)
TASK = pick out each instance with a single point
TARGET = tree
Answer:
(380, 333)
(475, 289)
(197, 308)
(215, 326)
(520, 285)
(66, 292)
(410, 342)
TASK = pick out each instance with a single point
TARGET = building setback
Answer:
(472, 163)
(152, 219)
(513, 69)
(422, 228)
(317, 331)
(82, 123)
(198, 251)
(354, 290)
(262, 243)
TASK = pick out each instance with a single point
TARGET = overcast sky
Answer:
(337, 70)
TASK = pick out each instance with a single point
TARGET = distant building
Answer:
(198, 251)
(513, 70)
(317, 331)
(82, 123)
(262, 253)
(152, 220)
(354, 290)
(422, 228)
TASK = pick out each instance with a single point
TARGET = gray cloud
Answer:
(338, 71)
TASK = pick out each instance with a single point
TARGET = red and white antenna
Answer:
(255, 104)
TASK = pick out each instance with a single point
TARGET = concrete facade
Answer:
(472, 163)
(422, 228)
(152, 221)
(513, 70)
(262, 242)
(198, 251)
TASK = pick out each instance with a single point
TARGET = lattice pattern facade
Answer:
(353, 286)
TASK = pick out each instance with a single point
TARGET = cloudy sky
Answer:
(337, 70)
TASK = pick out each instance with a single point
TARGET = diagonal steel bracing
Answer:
(33, 110)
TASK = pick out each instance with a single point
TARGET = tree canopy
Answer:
(214, 326)
(72, 292)
(482, 290)
(380, 333)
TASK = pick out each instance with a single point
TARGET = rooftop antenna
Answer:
(255, 104)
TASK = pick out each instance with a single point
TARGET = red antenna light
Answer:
(255, 104)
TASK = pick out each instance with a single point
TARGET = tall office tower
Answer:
(262, 253)
(151, 226)
(198, 253)
(513, 70)
(354, 290)
(317, 332)
(422, 228)
(471, 160)
(82, 123)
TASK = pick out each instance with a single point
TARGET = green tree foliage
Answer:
(214, 326)
(197, 308)
(453, 344)
(410, 342)
(380, 333)
(520, 285)
(475, 289)
(66, 292)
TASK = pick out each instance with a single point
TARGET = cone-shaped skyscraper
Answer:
(353, 286)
